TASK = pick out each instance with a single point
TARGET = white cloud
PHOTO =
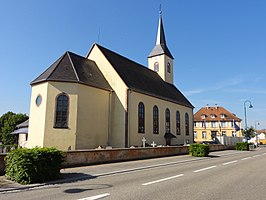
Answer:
(250, 91)
(218, 86)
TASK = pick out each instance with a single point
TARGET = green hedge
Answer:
(199, 150)
(242, 146)
(34, 165)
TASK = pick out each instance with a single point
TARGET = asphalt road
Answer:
(223, 175)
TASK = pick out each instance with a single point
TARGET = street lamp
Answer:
(256, 123)
(245, 112)
(256, 132)
(245, 109)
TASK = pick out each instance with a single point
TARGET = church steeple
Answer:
(160, 32)
(160, 59)
(160, 46)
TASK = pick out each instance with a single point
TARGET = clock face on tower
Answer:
(168, 67)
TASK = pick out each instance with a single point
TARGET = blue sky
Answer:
(219, 46)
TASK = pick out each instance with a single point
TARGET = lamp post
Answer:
(256, 123)
(256, 132)
(245, 112)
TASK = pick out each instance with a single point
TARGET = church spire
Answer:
(160, 33)
(160, 46)
(160, 59)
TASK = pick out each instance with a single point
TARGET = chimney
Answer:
(216, 107)
(207, 106)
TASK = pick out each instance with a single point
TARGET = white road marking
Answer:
(256, 156)
(246, 158)
(264, 154)
(200, 170)
(231, 162)
(130, 170)
(164, 179)
(95, 197)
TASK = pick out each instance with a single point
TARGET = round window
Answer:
(38, 100)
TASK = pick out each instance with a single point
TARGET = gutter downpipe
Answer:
(126, 119)
(129, 110)
(109, 119)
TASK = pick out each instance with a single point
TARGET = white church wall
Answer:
(162, 67)
(37, 116)
(63, 138)
(92, 118)
(149, 102)
(118, 98)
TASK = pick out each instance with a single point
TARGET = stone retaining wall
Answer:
(90, 157)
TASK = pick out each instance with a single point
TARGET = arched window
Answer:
(156, 66)
(167, 121)
(178, 123)
(141, 118)
(168, 67)
(155, 120)
(61, 112)
(187, 124)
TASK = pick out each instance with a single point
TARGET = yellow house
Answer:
(213, 121)
(105, 99)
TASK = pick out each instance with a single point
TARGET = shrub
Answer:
(242, 146)
(199, 150)
(34, 165)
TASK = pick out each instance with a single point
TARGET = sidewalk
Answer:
(8, 185)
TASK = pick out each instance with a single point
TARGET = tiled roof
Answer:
(71, 67)
(215, 111)
(144, 80)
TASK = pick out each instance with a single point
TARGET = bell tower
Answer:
(160, 59)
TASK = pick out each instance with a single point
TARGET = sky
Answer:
(219, 46)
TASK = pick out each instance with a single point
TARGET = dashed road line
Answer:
(95, 197)
(231, 162)
(246, 158)
(130, 170)
(256, 156)
(164, 179)
(200, 170)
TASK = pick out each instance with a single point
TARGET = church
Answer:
(108, 100)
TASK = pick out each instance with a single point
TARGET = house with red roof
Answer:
(213, 121)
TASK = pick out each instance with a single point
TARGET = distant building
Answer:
(261, 136)
(105, 99)
(210, 122)
(21, 132)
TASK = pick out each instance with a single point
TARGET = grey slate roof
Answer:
(71, 67)
(23, 124)
(142, 79)
(21, 128)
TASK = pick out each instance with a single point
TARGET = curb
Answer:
(20, 187)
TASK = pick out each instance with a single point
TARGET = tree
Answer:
(249, 133)
(8, 122)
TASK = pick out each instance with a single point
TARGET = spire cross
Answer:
(160, 11)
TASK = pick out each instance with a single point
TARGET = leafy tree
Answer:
(8, 122)
(249, 133)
